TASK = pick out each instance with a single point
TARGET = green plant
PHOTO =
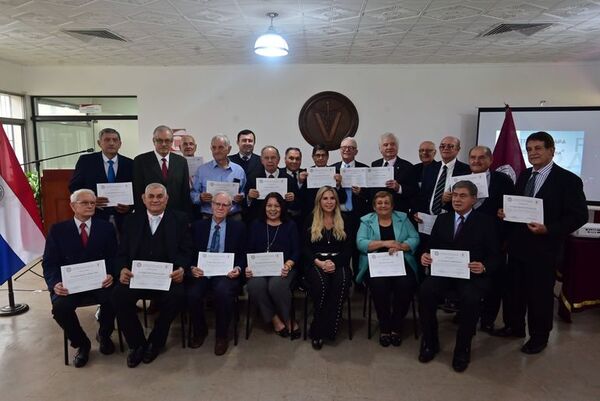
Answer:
(34, 183)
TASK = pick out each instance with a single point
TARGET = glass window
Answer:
(76, 106)
(12, 113)
(11, 106)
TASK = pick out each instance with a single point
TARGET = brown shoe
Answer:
(197, 341)
(221, 345)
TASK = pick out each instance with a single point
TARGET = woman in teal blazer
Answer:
(387, 230)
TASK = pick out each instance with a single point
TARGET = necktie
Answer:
(271, 176)
(348, 204)
(216, 239)
(459, 226)
(84, 234)
(245, 158)
(154, 222)
(165, 170)
(386, 164)
(436, 206)
(295, 175)
(110, 175)
(530, 186)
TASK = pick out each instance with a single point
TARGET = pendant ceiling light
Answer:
(271, 44)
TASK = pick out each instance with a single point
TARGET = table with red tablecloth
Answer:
(580, 276)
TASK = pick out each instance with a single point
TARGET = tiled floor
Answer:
(267, 367)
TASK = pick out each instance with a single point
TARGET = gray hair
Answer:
(270, 147)
(155, 185)
(75, 195)
(468, 185)
(108, 131)
(225, 194)
(161, 128)
(485, 149)
(221, 137)
(387, 135)
(349, 138)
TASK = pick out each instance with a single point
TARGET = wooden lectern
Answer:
(55, 197)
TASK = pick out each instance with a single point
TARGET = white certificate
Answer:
(354, 177)
(378, 176)
(385, 265)
(480, 181)
(265, 263)
(453, 264)
(265, 186)
(82, 277)
(193, 164)
(215, 263)
(117, 193)
(214, 187)
(320, 176)
(427, 225)
(151, 275)
(524, 209)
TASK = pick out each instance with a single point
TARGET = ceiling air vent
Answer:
(88, 34)
(525, 29)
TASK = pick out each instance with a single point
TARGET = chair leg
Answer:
(369, 318)
(415, 321)
(236, 319)
(183, 329)
(292, 316)
(120, 334)
(366, 294)
(248, 318)
(145, 313)
(305, 315)
(348, 301)
(66, 347)
(189, 335)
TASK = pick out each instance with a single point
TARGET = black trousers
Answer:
(392, 297)
(170, 304)
(502, 283)
(63, 311)
(470, 292)
(224, 292)
(328, 292)
(533, 296)
(353, 220)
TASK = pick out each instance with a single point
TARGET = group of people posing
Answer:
(325, 235)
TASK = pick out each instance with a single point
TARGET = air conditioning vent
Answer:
(525, 29)
(88, 34)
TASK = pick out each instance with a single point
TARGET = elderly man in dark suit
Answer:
(464, 229)
(535, 249)
(82, 239)
(106, 166)
(218, 234)
(164, 167)
(246, 158)
(404, 184)
(156, 234)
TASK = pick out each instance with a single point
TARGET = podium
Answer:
(55, 196)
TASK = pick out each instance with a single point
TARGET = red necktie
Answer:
(165, 170)
(84, 234)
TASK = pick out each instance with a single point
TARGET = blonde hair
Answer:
(316, 229)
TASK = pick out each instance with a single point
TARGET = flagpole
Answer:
(12, 309)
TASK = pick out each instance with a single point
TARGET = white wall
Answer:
(11, 77)
(416, 102)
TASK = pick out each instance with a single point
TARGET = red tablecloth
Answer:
(580, 275)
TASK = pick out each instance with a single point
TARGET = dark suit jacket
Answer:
(147, 170)
(500, 185)
(178, 244)
(307, 196)
(565, 210)
(235, 240)
(64, 247)
(252, 167)
(430, 175)
(404, 175)
(360, 203)
(254, 210)
(89, 171)
(296, 205)
(478, 236)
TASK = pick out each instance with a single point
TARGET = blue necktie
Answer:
(216, 239)
(110, 175)
(348, 203)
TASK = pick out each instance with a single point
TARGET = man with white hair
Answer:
(156, 234)
(84, 238)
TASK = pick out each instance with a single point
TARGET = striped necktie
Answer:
(436, 206)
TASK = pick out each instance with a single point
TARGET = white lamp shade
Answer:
(271, 45)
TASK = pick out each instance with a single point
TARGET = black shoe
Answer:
(461, 359)
(150, 353)
(508, 331)
(283, 332)
(385, 340)
(135, 356)
(487, 327)
(534, 346)
(296, 333)
(317, 343)
(82, 356)
(396, 339)
(197, 341)
(107, 347)
(428, 351)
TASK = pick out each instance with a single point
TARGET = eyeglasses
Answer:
(219, 204)
(447, 146)
(161, 141)
(86, 203)
(427, 150)
(348, 147)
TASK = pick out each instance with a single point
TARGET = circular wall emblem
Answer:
(327, 118)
